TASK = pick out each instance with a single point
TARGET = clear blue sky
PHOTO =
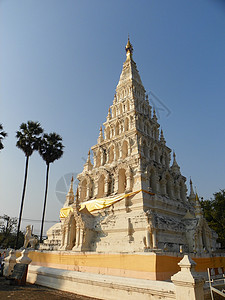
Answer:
(60, 62)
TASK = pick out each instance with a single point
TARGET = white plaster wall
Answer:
(101, 286)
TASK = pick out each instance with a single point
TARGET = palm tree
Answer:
(28, 139)
(3, 134)
(50, 150)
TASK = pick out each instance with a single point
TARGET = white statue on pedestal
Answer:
(29, 238)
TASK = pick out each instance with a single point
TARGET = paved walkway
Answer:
(34, 292)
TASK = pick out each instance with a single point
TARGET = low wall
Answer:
(186, 284)
(101, 286)
(152, 266)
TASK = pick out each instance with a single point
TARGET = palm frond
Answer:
(51, 147)
(28, 137)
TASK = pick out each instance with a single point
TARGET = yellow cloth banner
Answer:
(101, 203)
(97, 204)
(64, 212)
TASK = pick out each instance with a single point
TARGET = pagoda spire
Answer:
(129, 77)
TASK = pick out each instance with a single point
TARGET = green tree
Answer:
(214, 213)
(28, 139)
(3, 134)
(50, 149)
(8, 232)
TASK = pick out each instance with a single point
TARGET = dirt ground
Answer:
(34, 292)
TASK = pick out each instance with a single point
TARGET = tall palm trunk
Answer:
(46, 192)
(22, 201)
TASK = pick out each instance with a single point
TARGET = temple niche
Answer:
(131, 197)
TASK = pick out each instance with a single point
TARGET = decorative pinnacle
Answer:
(70, 192)
(198, 209)
(174, 158)
(114, 99)
(175, 166)
(129, 49)
(100, 137)
(187, 263)
(77, 201)
(109, 114)
(154, 115)
(89, 154)
(88, 165)
(162, 139)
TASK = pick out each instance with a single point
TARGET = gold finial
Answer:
(129, 48)
(128, 43)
